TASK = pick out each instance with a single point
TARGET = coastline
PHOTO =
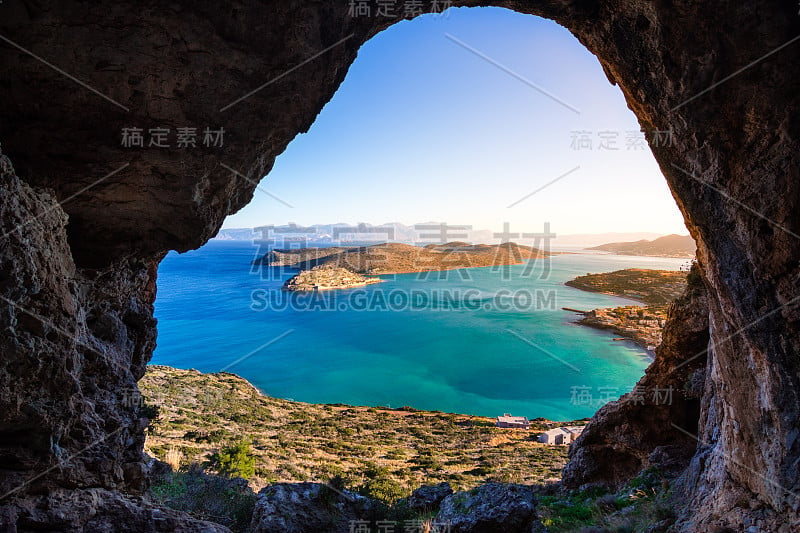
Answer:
(608, 293)
(327, 278)
(371, 331)
(590, 320)
(397, 258)
(370, 281)
(617, 330)
(642, 324)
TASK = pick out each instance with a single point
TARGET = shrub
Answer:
(385, 489)
(235, 460)
(380, 485)
(207, 497)
(150, 412)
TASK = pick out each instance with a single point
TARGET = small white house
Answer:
(508, 421)
(562, 435)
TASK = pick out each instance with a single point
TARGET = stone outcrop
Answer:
(305, 507)
(97, 510)
(720, 76)
(490, 508)
(428, 497)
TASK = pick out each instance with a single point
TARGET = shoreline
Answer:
(396, 258)
(607, 293)
(336, 406)
(371, 281)
(652, 292)
(624, 335)
(447, 269)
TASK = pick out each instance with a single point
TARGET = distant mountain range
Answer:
(667, 246)
(425, 233)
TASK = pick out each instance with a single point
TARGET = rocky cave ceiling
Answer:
(722, 75)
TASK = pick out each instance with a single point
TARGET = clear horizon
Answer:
(479, 117)
(685, 232)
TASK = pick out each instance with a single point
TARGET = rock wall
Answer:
(79, 282)
(74, 344)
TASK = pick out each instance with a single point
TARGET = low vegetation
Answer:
(642, 505)
(223, 422)
(235, 460)
(229, 502)
(653, 287)
(215, 429)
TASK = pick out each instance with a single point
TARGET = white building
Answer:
(508, 421)
(562, 435)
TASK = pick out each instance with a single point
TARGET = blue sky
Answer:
(424, 129)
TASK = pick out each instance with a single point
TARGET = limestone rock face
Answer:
(490, 508)
(720, 76)
(428, 497)
(304, 507)
(74, 343)
(97, 511)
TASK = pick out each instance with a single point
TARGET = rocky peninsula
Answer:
(652, 287)
(641, 324)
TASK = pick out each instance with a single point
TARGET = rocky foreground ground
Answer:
(337, 468)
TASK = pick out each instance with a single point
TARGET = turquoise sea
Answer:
(481, 341)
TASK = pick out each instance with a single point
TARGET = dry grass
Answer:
(293, 441)
(653, 287)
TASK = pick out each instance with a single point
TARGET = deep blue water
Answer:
(473, 353)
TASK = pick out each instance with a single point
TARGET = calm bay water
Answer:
(485, 361)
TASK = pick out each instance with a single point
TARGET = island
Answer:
(398, 258)
(641, 324)
(325, 277)
(667, 246)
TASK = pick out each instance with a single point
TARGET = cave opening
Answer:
(459, 118)
(723, 76)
